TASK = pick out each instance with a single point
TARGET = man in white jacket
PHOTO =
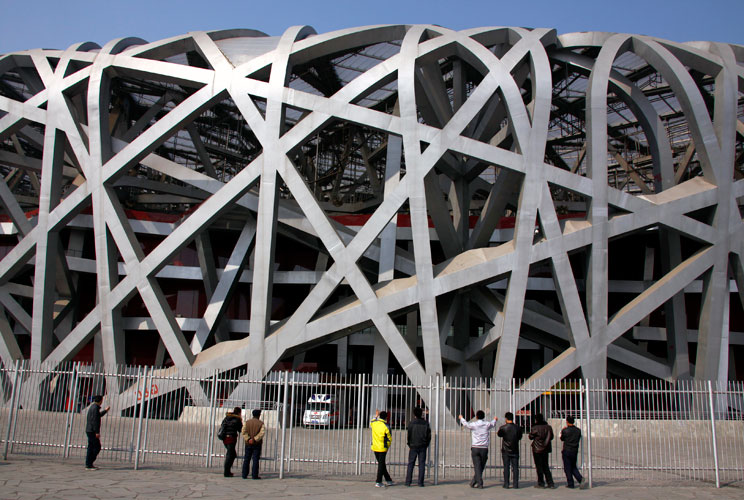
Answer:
(480, 431)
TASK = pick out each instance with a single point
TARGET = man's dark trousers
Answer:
(381, 467)
(412, 454)
(252, 451)
(480, 457)
(511, 461)
(94, 446)
(569, 467)
(543, 468)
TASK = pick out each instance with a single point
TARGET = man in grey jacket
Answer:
(93, 431)
(481, 440)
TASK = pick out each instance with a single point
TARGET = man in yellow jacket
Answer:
(381, 439)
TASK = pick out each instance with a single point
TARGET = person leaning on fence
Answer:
(253, 434)
(93, 430)
(381, 439)
(419, 437)
(480, 437)
(510, 434)
(571, 436)
(542, 437)
(231, 426)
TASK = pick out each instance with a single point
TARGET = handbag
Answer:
(222, 433)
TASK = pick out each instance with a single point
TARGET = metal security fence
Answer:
(318, 423)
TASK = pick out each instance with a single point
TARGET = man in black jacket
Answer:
(510, 434)
(571, 436)
(419, 437)
(542, 437)
(93, 431)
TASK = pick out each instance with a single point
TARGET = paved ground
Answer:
(32, 478)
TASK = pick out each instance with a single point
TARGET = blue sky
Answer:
(60, 23)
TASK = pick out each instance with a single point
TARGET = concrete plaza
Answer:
(34, 478)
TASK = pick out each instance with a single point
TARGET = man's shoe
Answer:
(516, 486)
(552, 486)
(257, 477)
(506, 486)
(228, 474)
(421, 485)
(379, 485)
(91, 467)
(570, 486)
(538, 485)
(389, 483)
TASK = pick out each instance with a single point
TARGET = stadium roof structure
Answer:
(578, 141)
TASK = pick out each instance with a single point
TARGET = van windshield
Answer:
(319, 406)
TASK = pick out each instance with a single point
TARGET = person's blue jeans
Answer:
(413, 453)
(252, 452)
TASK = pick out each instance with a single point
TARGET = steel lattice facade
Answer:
(467, 197)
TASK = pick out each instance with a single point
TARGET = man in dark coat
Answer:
(542, 437)
(510, 434)
(232, 424)
(419, 437)
(571, 436)
(93, 431)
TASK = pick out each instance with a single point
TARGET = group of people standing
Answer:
(253, 430)
(541, 435)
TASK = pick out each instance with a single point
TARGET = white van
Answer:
(324, 410)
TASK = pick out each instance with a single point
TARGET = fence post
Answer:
(582, 388)
(284, 424)
(512, 393)
(12, 413)
(360, 409)
(588, 434)
(713, 432)
(139, 420)
(72, 404)
(291, 422)
(436, 429)
(210, 424)
(134, 413)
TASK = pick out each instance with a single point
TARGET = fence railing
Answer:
(632, 429)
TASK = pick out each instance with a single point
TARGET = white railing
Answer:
(633, 429)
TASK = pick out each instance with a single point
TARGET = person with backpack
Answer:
(228, 433)
(381, 439)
